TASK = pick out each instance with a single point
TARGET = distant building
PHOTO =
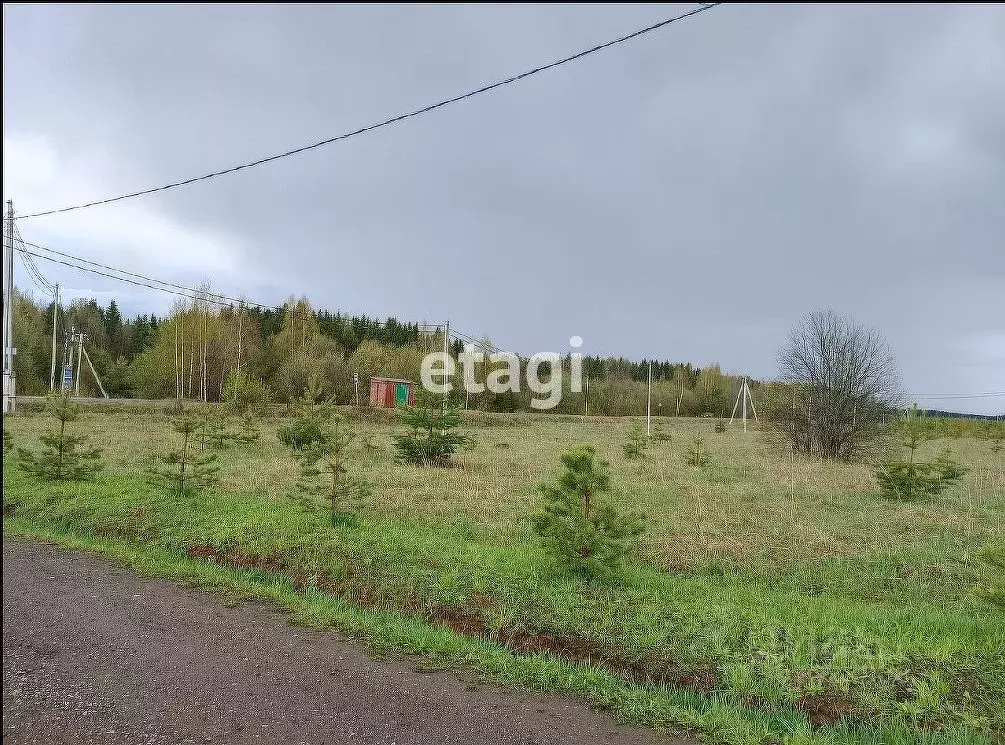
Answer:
(389, 392)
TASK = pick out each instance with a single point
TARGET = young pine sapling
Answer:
(578, 525)
(660, 434)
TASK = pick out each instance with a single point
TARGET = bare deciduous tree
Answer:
(844, 381)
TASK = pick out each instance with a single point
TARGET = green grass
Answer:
(790, 577)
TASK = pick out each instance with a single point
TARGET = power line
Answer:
(193, 290)
(34, 272)
(34, 277)
(385, 122)
(45, 285)
(202, 298)
(143, 280)
(483, 345)
(461, 336)
(931, 396)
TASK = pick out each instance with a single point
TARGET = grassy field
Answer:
(775, 599)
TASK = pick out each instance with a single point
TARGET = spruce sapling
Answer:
(181, 471)
(64, 457)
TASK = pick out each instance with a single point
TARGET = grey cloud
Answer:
(688, 195)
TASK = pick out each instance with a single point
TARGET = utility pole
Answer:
(240, 319)
(205, 352)
(67, 360)
(52, 367)
(745, 404)
(744, 396)
(9, 391)
(80, 362)
(93, 371)
(177, 369)
(446, 357)
(649, 401)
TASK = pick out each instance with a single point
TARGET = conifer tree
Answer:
(430, 440)
(313, 414)
(578, 525)
(324, 472)
(182, 471)
(912, 479)
(637, 443)
(660, 434)
(697, 454)
(64, 457)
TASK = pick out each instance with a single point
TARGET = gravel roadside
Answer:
(93, 653)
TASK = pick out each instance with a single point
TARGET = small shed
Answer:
(389, 392)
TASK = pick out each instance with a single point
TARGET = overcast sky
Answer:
(687, 195)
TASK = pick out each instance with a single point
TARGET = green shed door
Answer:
(400, 394)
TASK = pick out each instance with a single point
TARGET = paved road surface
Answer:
(95, 654)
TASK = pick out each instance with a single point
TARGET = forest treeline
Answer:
(191, 353)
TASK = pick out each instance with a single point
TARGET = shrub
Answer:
(584, 531)
(637, 443)
(430, 440)
(64, 457)
(994, 594)
(697, 454)
(842, 381)
(180, 471)
(243, 393)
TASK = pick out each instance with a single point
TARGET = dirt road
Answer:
(95, 654)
